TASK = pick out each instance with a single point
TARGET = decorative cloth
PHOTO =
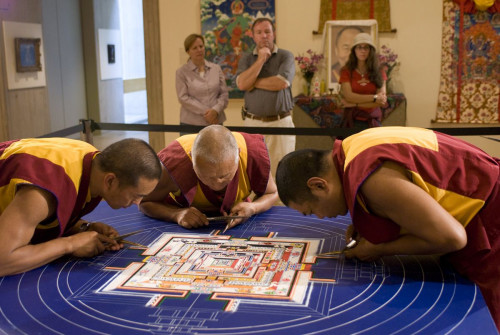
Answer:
(356, 10)
(326, 112)
(470, 71)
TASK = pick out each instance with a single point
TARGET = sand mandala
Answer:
(225, 267)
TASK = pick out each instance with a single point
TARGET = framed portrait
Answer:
(27, 54)
(226, 27)
(339, 39)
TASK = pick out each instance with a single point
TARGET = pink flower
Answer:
(388, 60)
(309, 65)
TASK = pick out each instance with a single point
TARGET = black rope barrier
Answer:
(491, 138)
(344, 132)
(251, 130)
(65, 132)
(333, 132)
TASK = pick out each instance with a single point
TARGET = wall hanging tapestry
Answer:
(356, 10)
(226, 27)
(470, 62)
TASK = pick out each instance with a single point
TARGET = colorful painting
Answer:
(28, 54)
(225, 268)
(378, 10)
(470, 71)
(226, 27)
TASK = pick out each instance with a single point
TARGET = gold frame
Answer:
(20, 44)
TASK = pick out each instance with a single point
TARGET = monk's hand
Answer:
(364, 251)
(191, 218)
(109, 232)
(88, 244)
(103, 229)
(350, 234)
(242, 208)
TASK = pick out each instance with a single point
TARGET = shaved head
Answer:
(295, 169)
(215, 157)
(215, 144)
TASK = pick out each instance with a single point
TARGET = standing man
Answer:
(47, 185)
(266, 76)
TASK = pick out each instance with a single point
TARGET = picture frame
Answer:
(22, 80)
(339, 38)
(28, 54)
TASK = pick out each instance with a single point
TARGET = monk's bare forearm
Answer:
(32, 256)
(265, 202)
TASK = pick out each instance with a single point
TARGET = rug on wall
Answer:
(356, 10)
(226, 27)
(470, 63)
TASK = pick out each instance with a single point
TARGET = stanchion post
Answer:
(86, 133)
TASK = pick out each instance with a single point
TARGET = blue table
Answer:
(395, 295)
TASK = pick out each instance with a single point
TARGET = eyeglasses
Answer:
(362, 47)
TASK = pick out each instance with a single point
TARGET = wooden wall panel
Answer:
(23, 112)
(154, 85)
(27, 113)
(4, 130)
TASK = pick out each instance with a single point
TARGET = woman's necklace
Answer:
(363, 81)
(362, 73)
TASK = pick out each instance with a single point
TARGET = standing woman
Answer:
(363, 84)
(201, 87)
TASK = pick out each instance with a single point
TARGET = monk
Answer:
(47, 185)
(212, 172)
(408, 191)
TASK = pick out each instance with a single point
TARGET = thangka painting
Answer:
(226, 27)
(378, 10)
(470, 64)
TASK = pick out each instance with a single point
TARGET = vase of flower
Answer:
(387, 59)
(308, 76)
(309, 66)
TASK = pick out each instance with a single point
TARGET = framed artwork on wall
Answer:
(24, 59)
(339, 38)
(27, 54)
(226, 27)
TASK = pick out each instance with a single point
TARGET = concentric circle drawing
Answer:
(262, 277)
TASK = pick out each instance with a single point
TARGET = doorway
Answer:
(134, 65)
